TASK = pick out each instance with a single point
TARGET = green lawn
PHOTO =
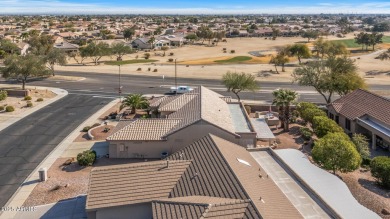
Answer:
(126, 62)
(235, 59)
(350, 43)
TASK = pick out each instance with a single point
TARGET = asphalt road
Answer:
(26, 143)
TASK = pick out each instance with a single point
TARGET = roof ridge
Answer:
(141, 164)
(374, 94)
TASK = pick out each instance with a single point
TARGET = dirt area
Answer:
(197, 61)
(364, 188)
(20, 104)
(67, 181)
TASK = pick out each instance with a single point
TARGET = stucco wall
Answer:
(175, 142)
(137, 211)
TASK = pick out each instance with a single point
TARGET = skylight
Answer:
(243, 162)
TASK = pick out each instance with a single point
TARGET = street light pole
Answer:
(176, 76)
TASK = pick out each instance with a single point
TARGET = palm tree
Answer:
(135, 101)
(283, 98)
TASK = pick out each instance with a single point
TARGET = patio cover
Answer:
(262, 129)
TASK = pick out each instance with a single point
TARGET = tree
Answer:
(361, 143)
(283, 98)
(323, 125)
(381, 27)
(164, 48)
(237, 82)
(281, 58)
(275, 33)
(362, 39)
(336, 152)
(310, 34)
(128, 33)
(329, 49)
(151, 41)
(24, 67)
(55, 56)
(41, 45)
(191, 37)
(96, 51)
(375, 39)
(327, 77)
(135, 101)
(300, 51)
(380, 169)
(120, 49)
(8, 47)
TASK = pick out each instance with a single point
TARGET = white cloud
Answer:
(58, 7)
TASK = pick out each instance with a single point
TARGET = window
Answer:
(348, 124)
(337, 119)
(331, 116)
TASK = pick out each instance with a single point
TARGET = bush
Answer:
(171, 54)
(232, 51)
(27, 98)
(155, 70)
(323, 125)
(86, 158)
(1, 108)
(248, 109)
(380, 169)
(40, 99)
(306, 133)
(224, 49)
(147, 55)
(29, 104)
(170, 60)
(139, 69)
(149, 69)
(9, 109)
(95, 125)
(366, 161)
(86, 128)
(3, 95)
(309, 114)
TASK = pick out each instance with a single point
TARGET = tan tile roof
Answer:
(199, 207)
(145, 129)
(177, 103)
(362, 102)
(133, 183)
(216, 171)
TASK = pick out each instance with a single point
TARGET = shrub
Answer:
(224, 49)
(309, 114)
(171, 54)
(155, 70)
(362, 145)
(3, 95)
(86, 128)
(1, 108)
(323, 125)
(170, 60)
(147, 55)
(303, 106)
(366, 161)
(380, 169)
(9, 109)
(29, 104)
(232, 51)
(139, 69)
(86, 158)
(95, 125)
(248, 109)
(149, 69)
(306, 133)
(40, 99)
(27, 98)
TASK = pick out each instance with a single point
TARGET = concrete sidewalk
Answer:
(20, 196)
(14, 118)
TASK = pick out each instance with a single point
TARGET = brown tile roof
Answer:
(145, 129)
(361, 102)
(199, 207)
(216, 171)
(133, 183)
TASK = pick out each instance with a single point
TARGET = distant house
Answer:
(364, 112)
(209, 178)
(67, 47)
(143, 43)
(182, 119)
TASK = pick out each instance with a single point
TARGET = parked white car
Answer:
(181, 89)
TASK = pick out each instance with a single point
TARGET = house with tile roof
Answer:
(182, 119)
(209, 178)
(366, 113)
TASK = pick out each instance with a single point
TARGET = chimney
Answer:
(167, 163)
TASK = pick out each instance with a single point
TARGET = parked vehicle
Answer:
(181, 89)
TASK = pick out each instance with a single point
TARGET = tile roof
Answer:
(199, 207)
(216, 171)
(361, 102)
(133, 183)
(145, 129)
(177, 103)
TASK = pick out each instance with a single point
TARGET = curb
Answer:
(24, 191)
(60, 94)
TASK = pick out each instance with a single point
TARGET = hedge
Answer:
(380, 169)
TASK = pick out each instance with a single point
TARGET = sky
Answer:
(193, 7)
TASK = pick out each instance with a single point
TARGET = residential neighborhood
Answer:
(194, 116)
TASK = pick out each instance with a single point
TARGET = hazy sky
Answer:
(192, 7)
